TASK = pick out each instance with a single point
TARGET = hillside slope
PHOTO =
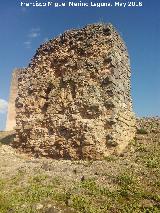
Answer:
(126, 183)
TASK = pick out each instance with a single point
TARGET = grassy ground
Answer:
(127, 183)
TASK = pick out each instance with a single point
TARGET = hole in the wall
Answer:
(106, 81)
(107, 31)
(90, 112)
(50, 131)
(81, 52)
(18, 103)
(49, 88)
(45, 107)
(73, 88)
(65, 132)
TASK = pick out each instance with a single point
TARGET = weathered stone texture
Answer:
(74, 98)
(11, 115)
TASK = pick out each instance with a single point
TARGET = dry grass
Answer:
(130, 183)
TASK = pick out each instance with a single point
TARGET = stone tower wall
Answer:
(11, 115)
(74, 98)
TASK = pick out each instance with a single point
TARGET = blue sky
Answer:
(22, 30)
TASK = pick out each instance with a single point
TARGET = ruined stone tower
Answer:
(11, 115)
(74, 98)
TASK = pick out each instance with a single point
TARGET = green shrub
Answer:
(142, 131)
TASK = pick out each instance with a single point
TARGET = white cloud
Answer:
(3, 106)
(28, 44)
(34, 33)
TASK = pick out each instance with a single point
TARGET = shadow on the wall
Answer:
(6, 139)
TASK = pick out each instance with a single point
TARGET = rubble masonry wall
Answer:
(74, 98)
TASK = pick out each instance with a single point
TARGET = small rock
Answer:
(39, 206)
(82, 178)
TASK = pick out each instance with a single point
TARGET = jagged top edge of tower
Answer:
(88, 27)
(69, 32)
(95, 27)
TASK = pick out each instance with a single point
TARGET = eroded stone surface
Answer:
(11, 114)
(74, 98)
